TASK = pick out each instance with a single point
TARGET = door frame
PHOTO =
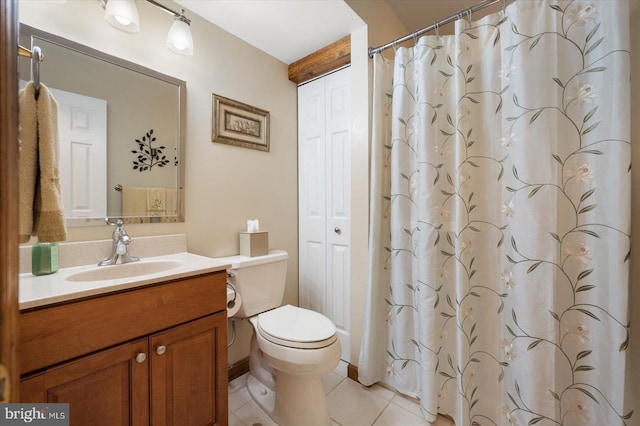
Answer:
(9, 265)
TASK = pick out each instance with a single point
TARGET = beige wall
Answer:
(383, 25)
(359, 186)
(224, 185)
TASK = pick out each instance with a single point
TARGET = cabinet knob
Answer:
(337, 230)
(141, 357)
(161, 349)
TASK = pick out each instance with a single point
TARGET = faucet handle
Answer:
(118, 222)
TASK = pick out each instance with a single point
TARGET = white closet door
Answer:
(324, 194)
(311, 195)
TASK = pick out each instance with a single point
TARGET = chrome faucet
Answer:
(120, 242)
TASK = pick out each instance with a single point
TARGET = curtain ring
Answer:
(503, 4)
(437, 25)
(470, 15)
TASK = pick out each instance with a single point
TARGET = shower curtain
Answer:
(500, 218)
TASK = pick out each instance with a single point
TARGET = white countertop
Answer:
(38, 291)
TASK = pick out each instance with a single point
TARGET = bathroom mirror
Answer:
(121, 129)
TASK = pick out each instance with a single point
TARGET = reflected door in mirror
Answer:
(82, 126)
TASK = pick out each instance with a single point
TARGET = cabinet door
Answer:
(189, 373)
(109, 388)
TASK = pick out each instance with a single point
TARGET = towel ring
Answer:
(36, 58)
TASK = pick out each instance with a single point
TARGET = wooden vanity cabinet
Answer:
(107, 388)
(184, 367)
(174, 373)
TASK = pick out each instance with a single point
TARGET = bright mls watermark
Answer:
(34, 414)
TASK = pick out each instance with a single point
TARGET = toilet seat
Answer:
(295, 327)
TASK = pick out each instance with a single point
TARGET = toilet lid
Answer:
(297, 327)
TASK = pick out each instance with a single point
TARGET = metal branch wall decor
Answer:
(149, 156)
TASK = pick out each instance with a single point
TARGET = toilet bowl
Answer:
(298, 362)
(291, 347)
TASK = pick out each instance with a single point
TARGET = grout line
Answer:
(379, 415)
(342, 379)
(336, 386)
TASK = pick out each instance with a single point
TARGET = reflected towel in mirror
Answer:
(171, 198)
(134, 201)
(156, 202)
(149, 201)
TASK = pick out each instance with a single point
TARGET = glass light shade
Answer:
(123, 15)
(179, 39)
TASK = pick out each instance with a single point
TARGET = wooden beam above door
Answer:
(322, 61)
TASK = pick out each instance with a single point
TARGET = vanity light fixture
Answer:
(123, 15)
(179, 39)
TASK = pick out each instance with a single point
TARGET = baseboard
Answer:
(352, 372)
(241, 367)
(237, 369)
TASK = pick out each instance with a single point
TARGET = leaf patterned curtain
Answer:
(500, 218)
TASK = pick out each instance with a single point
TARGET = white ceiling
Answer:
(285, 29)
(418, 14)
(292, 29)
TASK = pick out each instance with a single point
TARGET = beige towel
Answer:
(171, 198)
(134, 201)
(28, 160)
(49, 222)
(156, 202)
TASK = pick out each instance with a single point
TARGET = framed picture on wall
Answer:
(238, 124)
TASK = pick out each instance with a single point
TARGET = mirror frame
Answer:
(35, 33)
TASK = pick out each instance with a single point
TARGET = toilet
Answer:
(291, 347)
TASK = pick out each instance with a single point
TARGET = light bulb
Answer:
(122, 20)
(123, 15)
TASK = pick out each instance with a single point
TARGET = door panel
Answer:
(188, 373)
(338, 86)
(324, 198)
(82, 124)
(311, 193)
(116, 382)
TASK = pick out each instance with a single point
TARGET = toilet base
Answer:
(300, 401)
(303, 400)
(262, 395)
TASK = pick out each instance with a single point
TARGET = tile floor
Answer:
(350, 404)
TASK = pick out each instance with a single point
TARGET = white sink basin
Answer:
(127, 270)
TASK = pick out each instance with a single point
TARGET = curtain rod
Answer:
(435, 25)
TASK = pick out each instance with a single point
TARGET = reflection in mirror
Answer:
(121, 130)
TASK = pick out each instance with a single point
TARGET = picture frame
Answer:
(239, 124)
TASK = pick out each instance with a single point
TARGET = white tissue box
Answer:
(254, 243)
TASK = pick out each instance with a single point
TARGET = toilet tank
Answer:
(260, 281)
